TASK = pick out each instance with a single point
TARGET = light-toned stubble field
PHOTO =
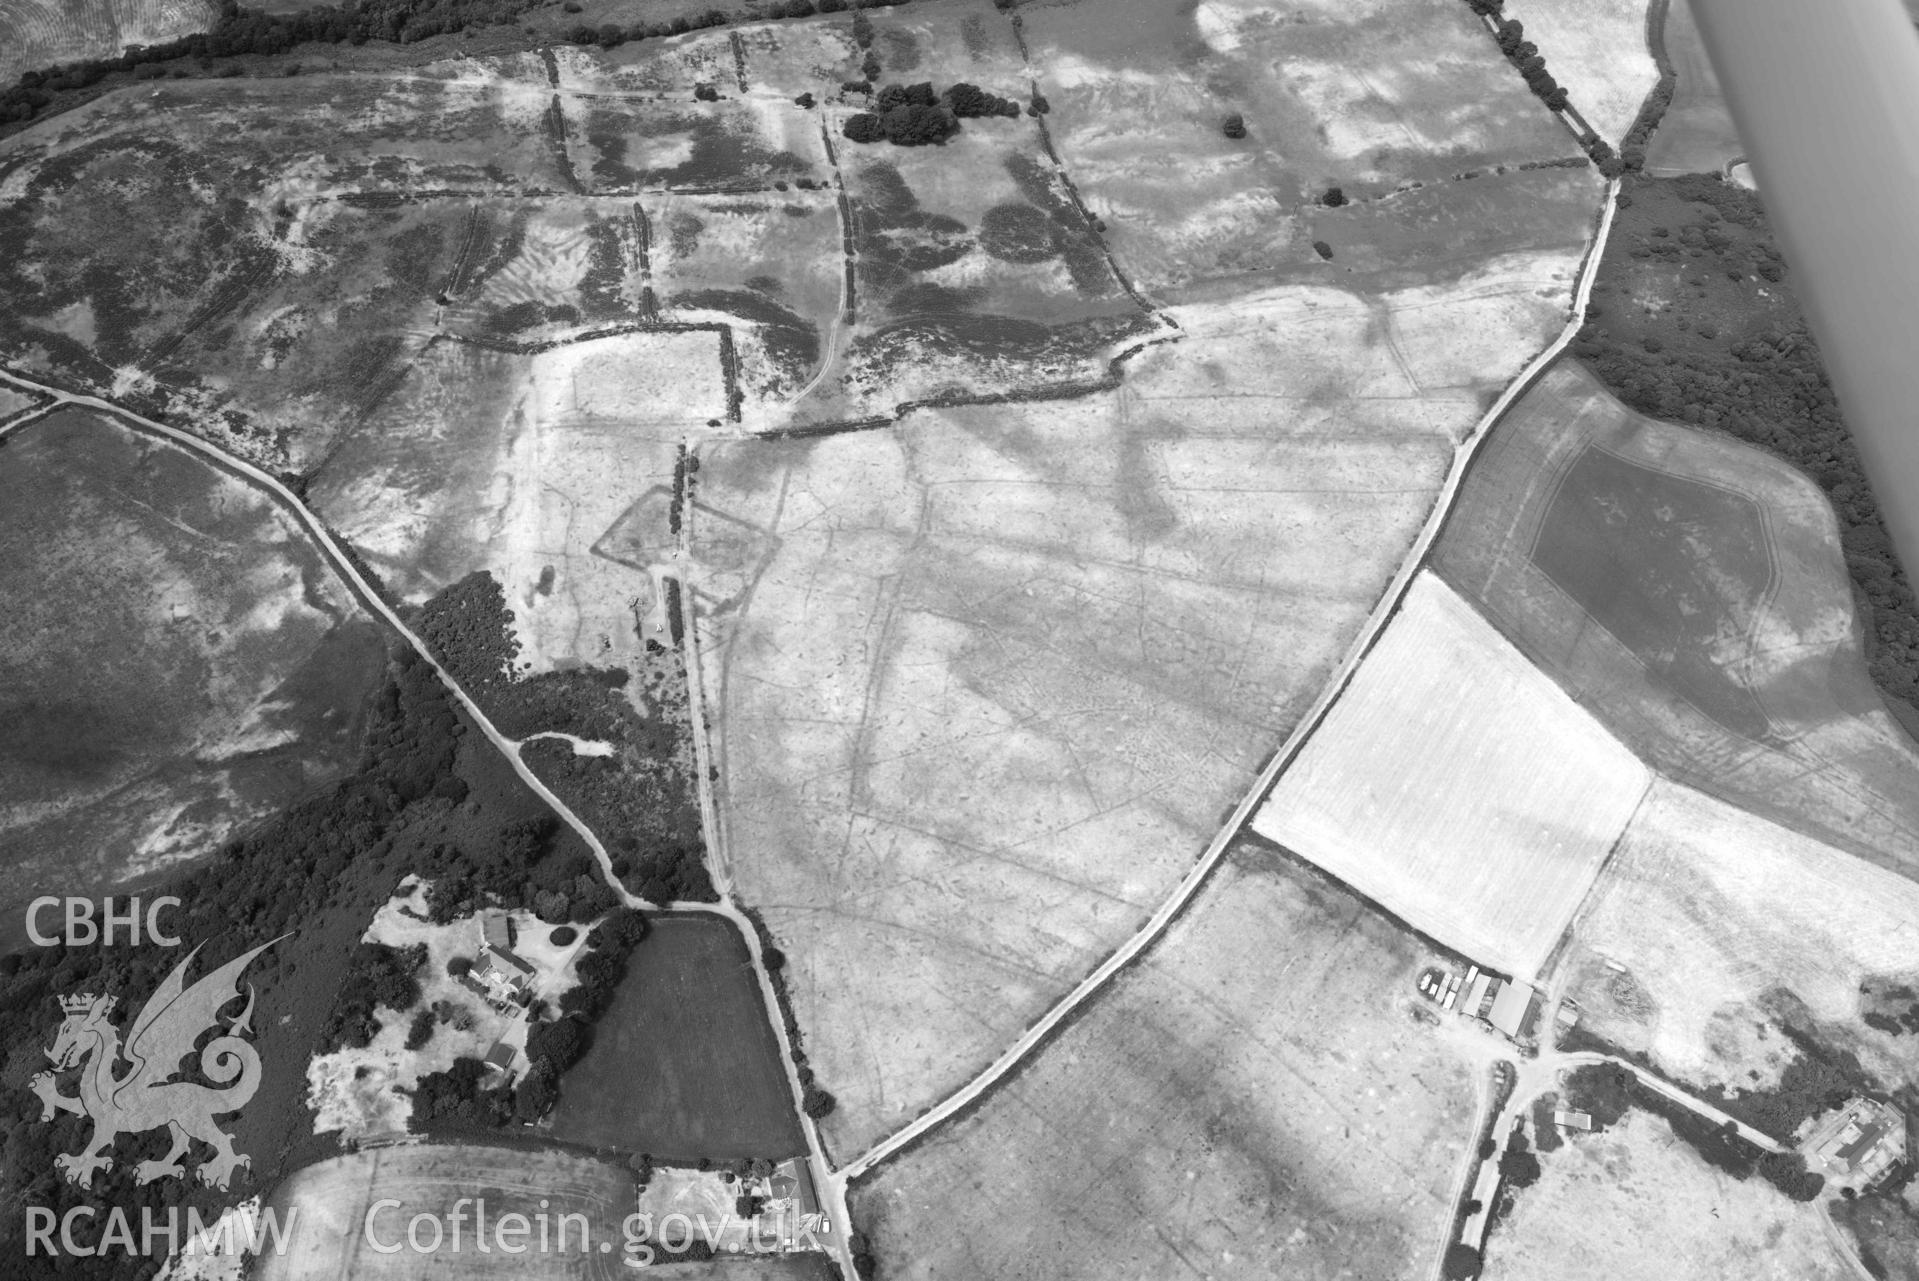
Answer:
(1458, 787)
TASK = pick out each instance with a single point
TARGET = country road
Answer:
(832, 1185)
(375, 604)
(1382, 612)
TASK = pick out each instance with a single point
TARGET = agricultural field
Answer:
(1634, 1203)
(683, 1064)
(43, 33)
(1715, 936)
(770, 265)
(973, 267)
(1597, 51)
(176, 660)
(334, 1198)
(911, 637)
(1692, 592)
(552, 470)
(1456, 786)
(1697, 134)
(1264, 1094)
(1375, 98)
(239, 255)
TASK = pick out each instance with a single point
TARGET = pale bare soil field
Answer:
(1264, 1094)
(1373, 97)
(1456, 786)
(1696, 135)
(1713, 927)
(42, 33)
(983, 684)
(1596, 50)
(175, 659)
(1634, 1203)
(1692, 592)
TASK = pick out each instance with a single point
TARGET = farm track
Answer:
(375, 604)
(1061, 1013)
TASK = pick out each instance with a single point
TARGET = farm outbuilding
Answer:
(1513, 1007)
(1863, 1141)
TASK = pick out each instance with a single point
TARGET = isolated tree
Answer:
(862, 29)
(1509, 35)
(1234, 126)
(805, 100)
(1462, 1262)
(1333, 198)
(870, 65)
(1323, 249)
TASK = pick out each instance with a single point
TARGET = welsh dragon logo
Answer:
(146, 1097)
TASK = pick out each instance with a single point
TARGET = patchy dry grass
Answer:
(175, 659)
(1263, 1095)
(552, 470)
(44, 33)
(1371, 97)
(984, 684)
(1692, 592)
(1636, 1204)
(1713, 928)
(1596, 50)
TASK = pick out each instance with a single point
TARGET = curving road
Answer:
(832, 1184)
(376, 605)
(1190, 885)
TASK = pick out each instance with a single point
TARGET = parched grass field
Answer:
(683, 1064)
(1596, 50)
(983, 684)
(770, 265)
(1456, 786)
(1264, 1094)
(1692, 592)
(1635, 1203)
(539, 468)
(1719, 923)
(44, 33)
(175, 660)
(331, 1202)
(1697, 134)
(1371, 97)
(974, 271)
